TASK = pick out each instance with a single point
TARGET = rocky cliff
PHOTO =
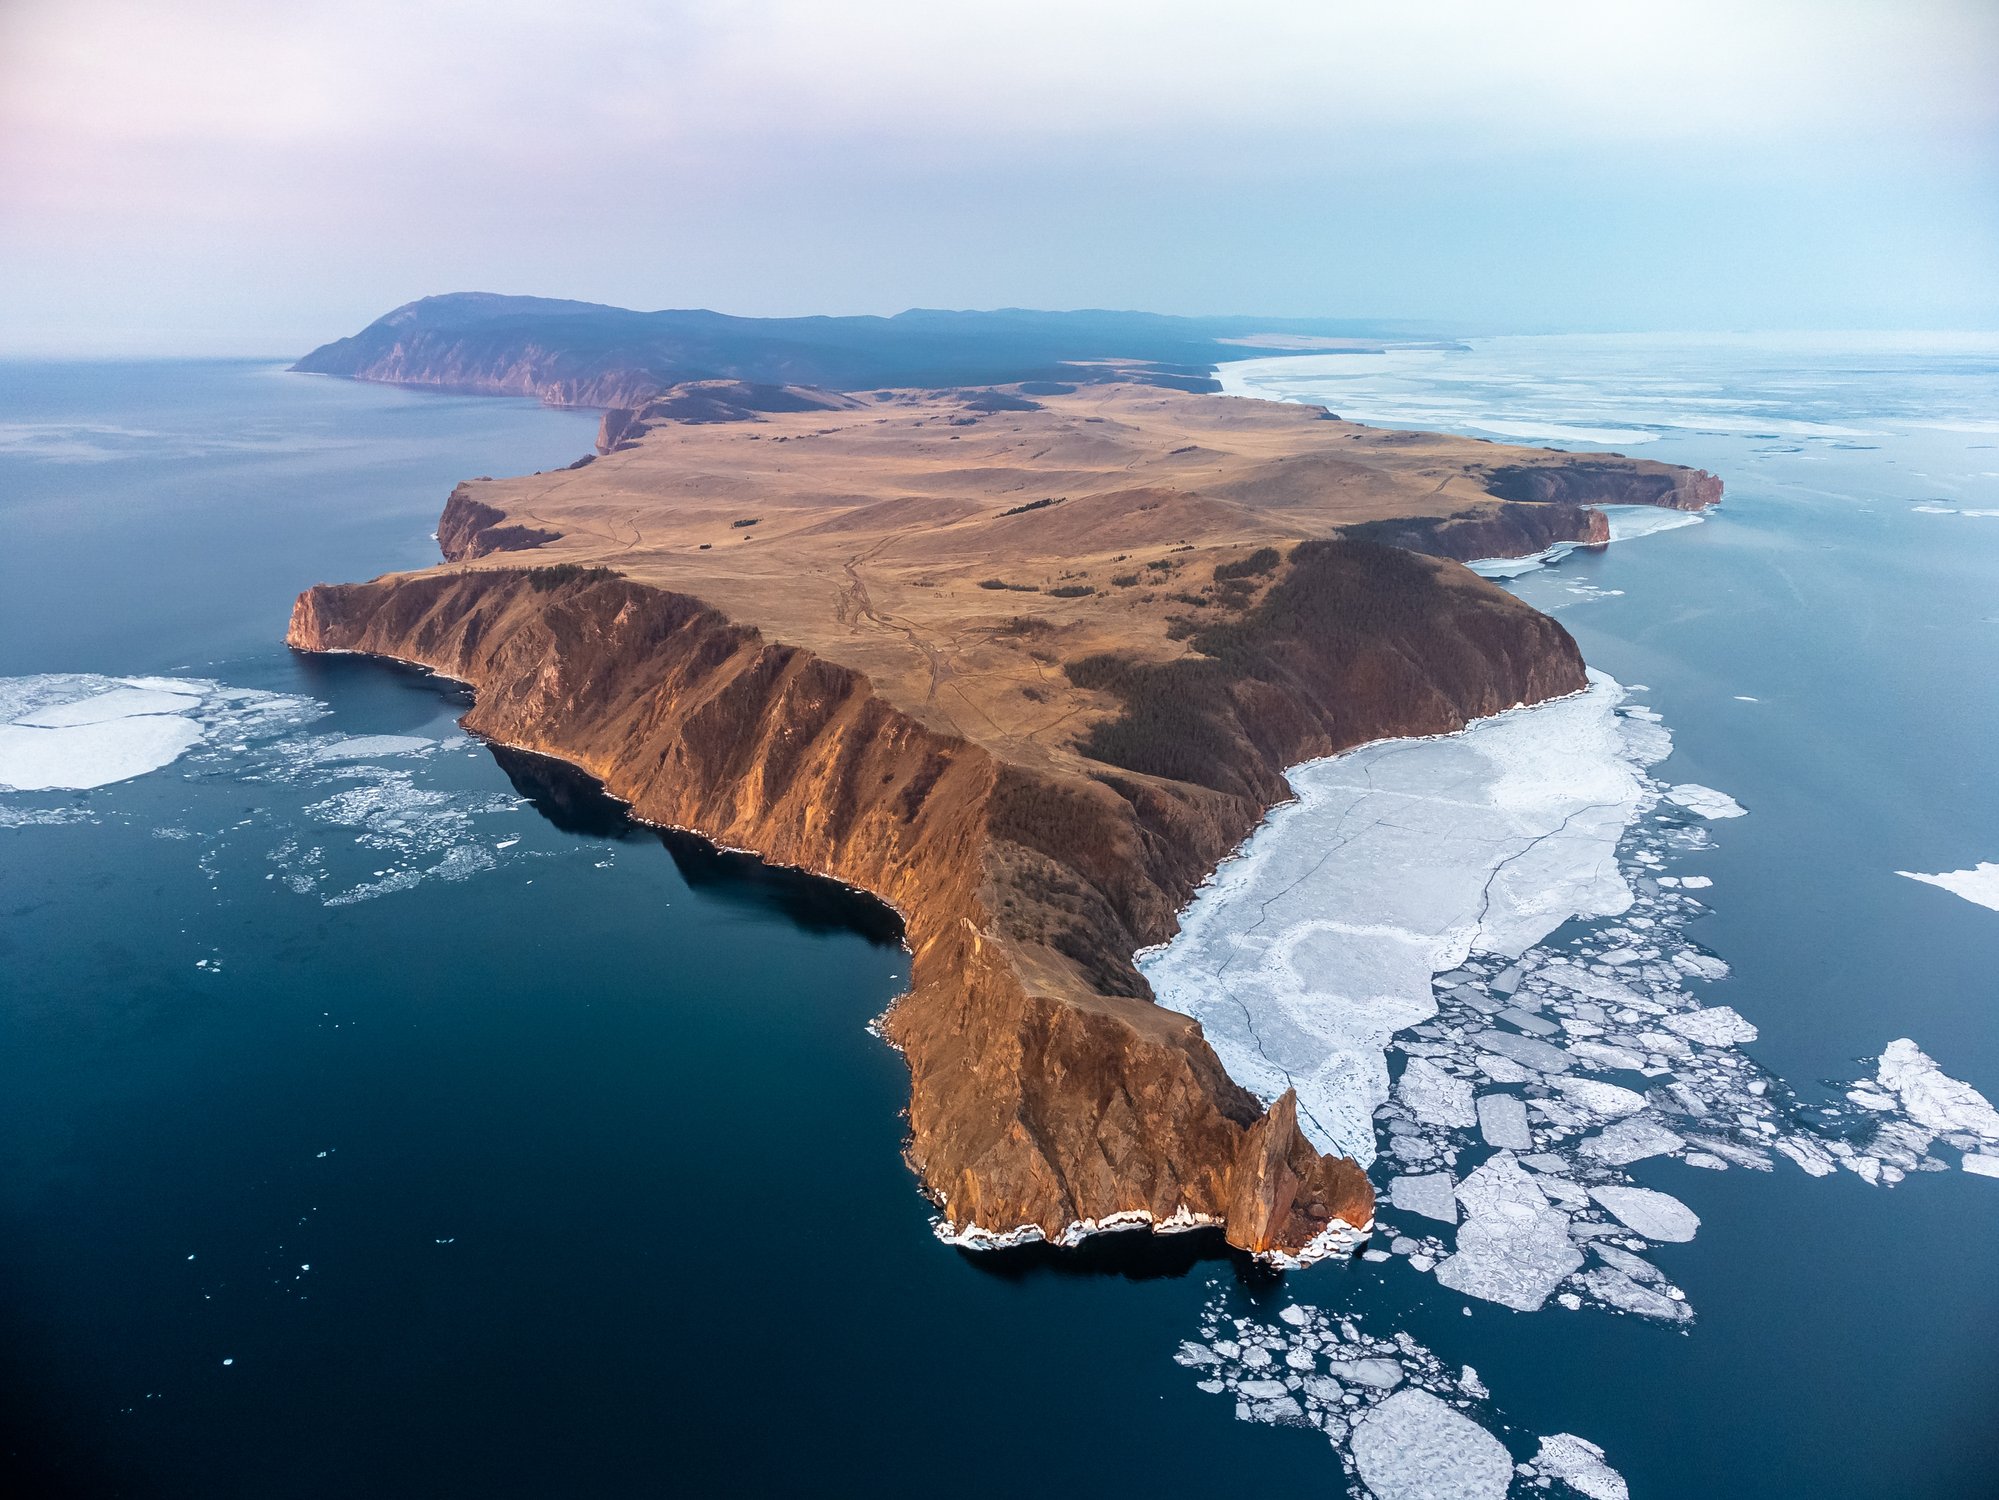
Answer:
(1608, 479)
(1049, 1096)
(1511, 529)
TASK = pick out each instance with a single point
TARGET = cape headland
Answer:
(1025, 661)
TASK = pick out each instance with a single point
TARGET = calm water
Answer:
(593, 1162)
(580, 1134)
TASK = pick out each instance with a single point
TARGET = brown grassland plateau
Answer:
(1025, 662)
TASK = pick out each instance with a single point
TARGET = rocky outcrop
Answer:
(469, 528)
(1513, 529)
(1048, 1094)
(1611, 480)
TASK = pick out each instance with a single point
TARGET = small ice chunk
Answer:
(1634, 1266)
(1633, 1139)
(1976, 1162)
(1322, 1388)
(1428, 1194)
(1580, 1465)
(1808, 1154)
(1528, 1022)
(1604, 1100)
(1414, 1447)
(1625, 1294)
(1434, 1096)
(1656, 1215)
(1529, 1052)
(1502, 1120)
(1503, 1069)
(1705, 801)
(1607, 1055)
(1716, 1026)
(1382, 1374)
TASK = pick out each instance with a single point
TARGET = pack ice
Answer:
(1307, 952)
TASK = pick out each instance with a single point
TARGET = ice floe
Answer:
(1705, 801)
(1580, 1465)
(1514, 1246)
(73, 732)
(80, 731)
(1414, 1447)
(1656, 1215)
(1428, 1193)
(1979, 884)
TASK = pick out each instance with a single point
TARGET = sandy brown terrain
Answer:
(875, 532)
(1026, 663)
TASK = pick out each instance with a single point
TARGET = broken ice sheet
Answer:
(79, 731)
(1514, 1246)
(1404, 1426)
(1931, 1097)
(1434, 1096)
(1414, 1447)
(1633, 1139)
(1307, 952)
(1580, 1465)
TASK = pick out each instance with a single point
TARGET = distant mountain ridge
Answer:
(588, 354)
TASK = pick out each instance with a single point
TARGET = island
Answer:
(1025, 659)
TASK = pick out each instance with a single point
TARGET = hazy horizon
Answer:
(221, 178)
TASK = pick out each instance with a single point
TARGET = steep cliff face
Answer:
(468, 529)
(1512, 529)
(1610, 480)
(1048, 1094)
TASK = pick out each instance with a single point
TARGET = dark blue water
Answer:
(592, 1159)
(594, 1165)
(1848, 1339)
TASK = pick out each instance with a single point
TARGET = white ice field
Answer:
(1316, 944)
(1399, 919)
(74, 732)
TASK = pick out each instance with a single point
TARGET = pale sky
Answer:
(249, 176)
